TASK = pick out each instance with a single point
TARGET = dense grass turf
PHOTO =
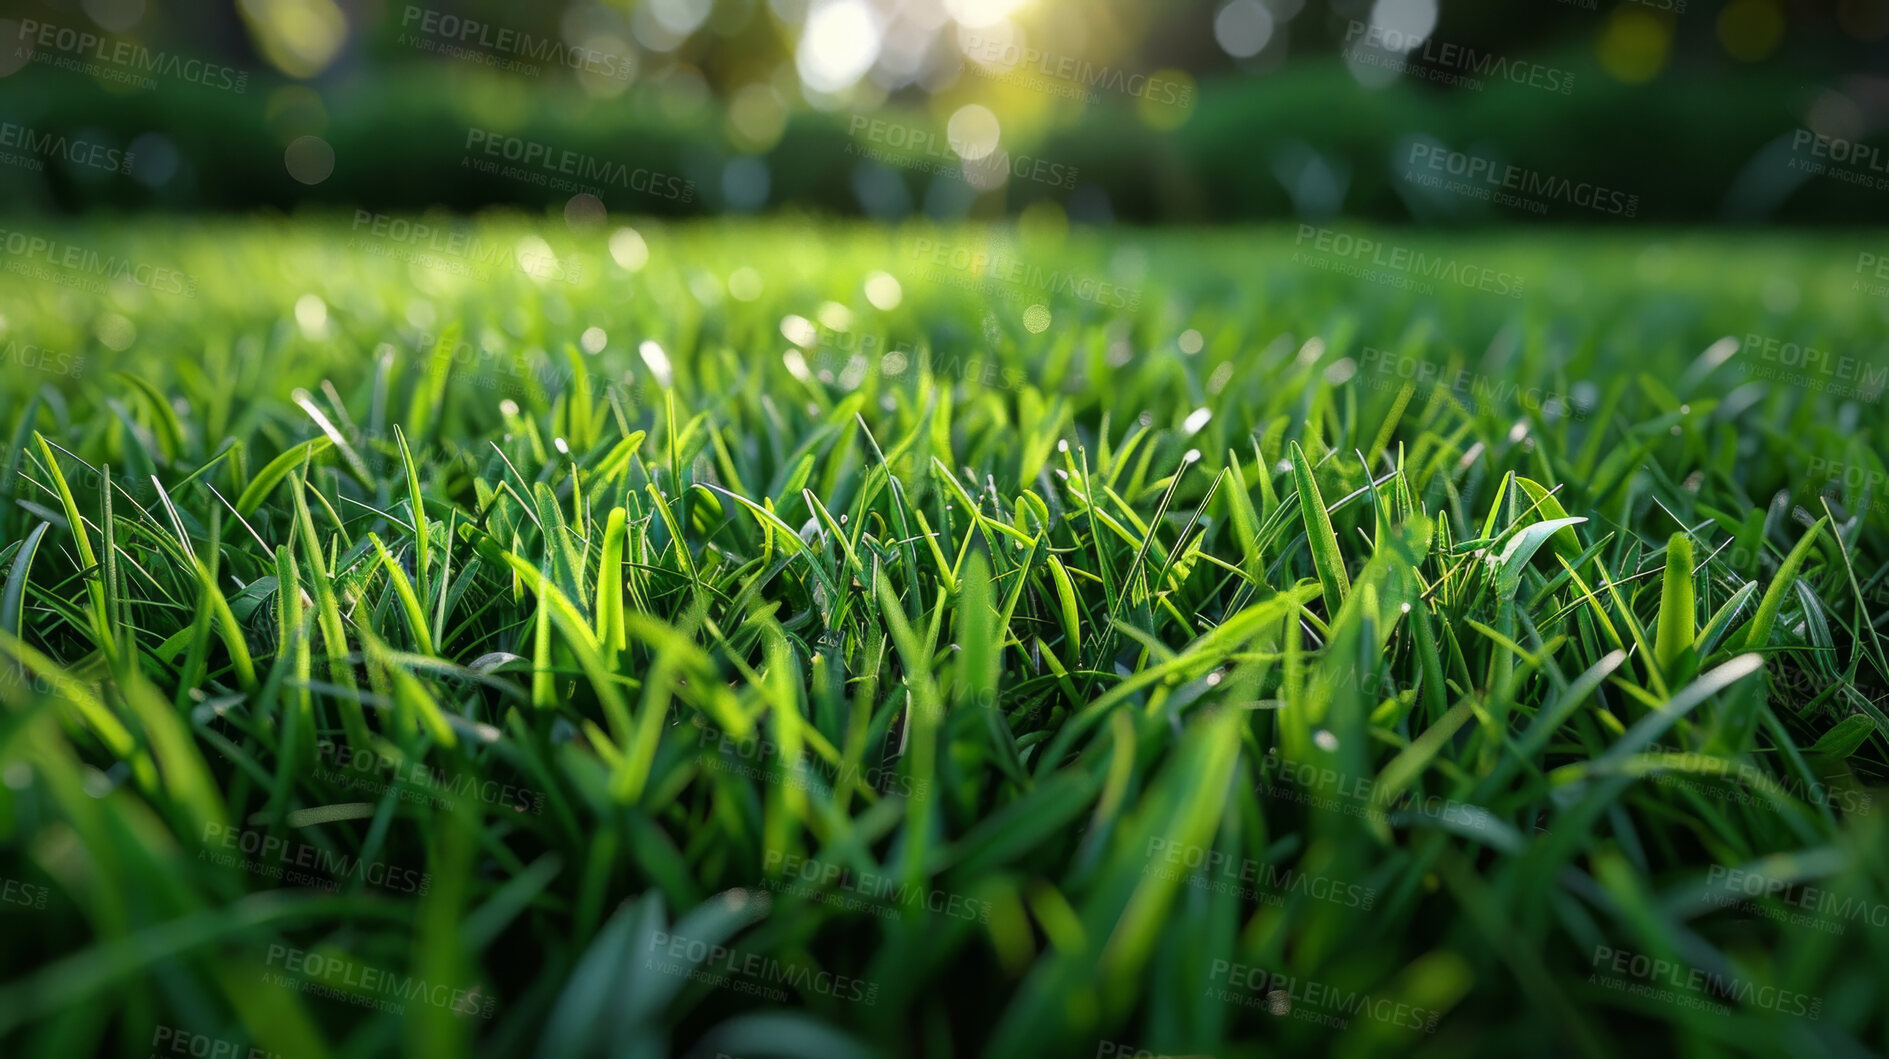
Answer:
(1008, 671)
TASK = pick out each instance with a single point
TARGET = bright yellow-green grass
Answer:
(779, 639)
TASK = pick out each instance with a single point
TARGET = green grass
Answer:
(577, 680)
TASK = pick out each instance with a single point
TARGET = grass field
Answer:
(783, 640)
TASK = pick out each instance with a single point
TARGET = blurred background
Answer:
(1588, 112)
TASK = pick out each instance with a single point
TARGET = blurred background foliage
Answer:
(1246, 109)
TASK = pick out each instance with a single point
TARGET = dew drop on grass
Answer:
(628, 249)
(883, 291)
(117, 332)
(1325, 740)
(311, 315)
(1196, 419)
(706, 288)
(744, 284)
(799, 330)
(658, 360)
(1191, 342)
(96, 783)
(834, 316)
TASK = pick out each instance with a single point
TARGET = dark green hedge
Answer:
(1680, 144)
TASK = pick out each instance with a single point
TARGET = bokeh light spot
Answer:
(1167, 101)
(976, 14)
(1242, 28)
(115, 15)
(1403, 25)
(628, 249)
(744, 284)
(974, 131)
(839, 43)
(1633, 45)
(883, 291)
(1751, 29)
(309, 159)
(585, 212)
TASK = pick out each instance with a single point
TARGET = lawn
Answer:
(770, 639)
